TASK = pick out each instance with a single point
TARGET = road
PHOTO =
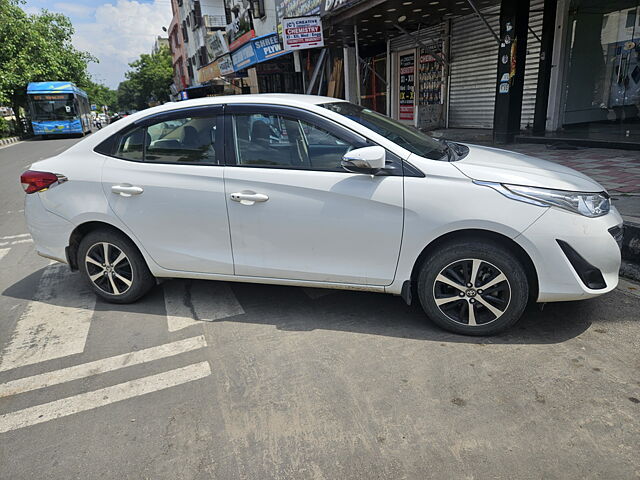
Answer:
(231, 381)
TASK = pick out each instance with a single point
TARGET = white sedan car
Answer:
(315, 191)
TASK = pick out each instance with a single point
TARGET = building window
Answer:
(257, 8)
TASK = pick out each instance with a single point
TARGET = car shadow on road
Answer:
(307, 309)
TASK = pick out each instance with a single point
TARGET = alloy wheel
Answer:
(472, 292)
(109, 268)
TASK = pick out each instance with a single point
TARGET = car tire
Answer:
(496, 298)
(124, 277)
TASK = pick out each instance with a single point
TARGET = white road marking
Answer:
(188, 302)
(3, 252)
(104, 396)
(55, 323)
(11, 237)
(25, 240)
(103, 365)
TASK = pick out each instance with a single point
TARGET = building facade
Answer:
(549, 69)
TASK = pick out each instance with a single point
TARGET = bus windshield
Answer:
(58, 106)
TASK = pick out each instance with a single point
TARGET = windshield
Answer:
(405, 136)
(57, 106)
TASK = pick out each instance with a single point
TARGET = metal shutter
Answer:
(474, 62)
(429, 36)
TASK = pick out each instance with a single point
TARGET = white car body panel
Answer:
(495, 165)
(319, 226)
(190, 198)
(321, 229)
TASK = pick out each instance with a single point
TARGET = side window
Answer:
(183, 140)
(325, 150)
(131, 146)
(264, 140)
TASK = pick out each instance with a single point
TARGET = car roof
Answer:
(266, 98)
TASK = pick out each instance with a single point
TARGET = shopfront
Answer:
(601, 81)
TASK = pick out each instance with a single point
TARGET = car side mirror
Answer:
(367, 160)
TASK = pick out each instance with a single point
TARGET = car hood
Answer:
(495, 165)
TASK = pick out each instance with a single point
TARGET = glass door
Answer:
(602, 95)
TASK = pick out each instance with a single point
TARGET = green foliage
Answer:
(148, 81)
(7, 128)
(36, 48)
(101, 95)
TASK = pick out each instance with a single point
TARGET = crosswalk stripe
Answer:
(97, 367)
(187, 302)
(55, 323)
(3, 252)
(104, 396)
(11, 237)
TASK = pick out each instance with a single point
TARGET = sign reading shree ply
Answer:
(302, 32)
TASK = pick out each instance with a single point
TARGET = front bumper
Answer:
(558, 279)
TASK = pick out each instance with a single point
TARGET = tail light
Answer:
(33, 182)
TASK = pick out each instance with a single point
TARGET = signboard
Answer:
(302, 32)
(297, 8)
(225, 65)
(216, 44)
(267, 46)
(240, 30)
(406, 86)
(208, 72)
(94, 107)
(62, 96)
(244, 57)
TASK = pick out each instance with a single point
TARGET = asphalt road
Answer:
(292, 383)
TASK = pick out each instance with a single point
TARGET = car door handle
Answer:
(248, 198)
(126, 190)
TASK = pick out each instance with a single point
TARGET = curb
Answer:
(631, 251)
(7, 141)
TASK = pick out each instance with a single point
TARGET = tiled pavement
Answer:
(617, 170)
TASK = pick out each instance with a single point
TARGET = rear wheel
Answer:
(473, 288)
(113, 267)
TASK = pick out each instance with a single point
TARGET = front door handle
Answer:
(126, 190)
(248, 197)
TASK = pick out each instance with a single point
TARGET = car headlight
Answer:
(589, 204)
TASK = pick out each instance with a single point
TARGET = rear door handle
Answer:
(126, 190)
(248, 198)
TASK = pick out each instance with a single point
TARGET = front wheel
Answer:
(473, 288)
(113, 267)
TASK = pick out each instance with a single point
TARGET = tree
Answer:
(101, 95)
(148, 81)
(36, 48)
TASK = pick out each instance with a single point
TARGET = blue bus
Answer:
(58, 108)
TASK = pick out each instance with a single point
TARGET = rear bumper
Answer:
(560, 276)
(49, 231)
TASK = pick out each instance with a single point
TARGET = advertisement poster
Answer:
(240, 30)
(302, 32)
(406, 86)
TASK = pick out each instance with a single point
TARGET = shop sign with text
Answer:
(225, 64)
(244, 57)
(267, 46)
(302, 32)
